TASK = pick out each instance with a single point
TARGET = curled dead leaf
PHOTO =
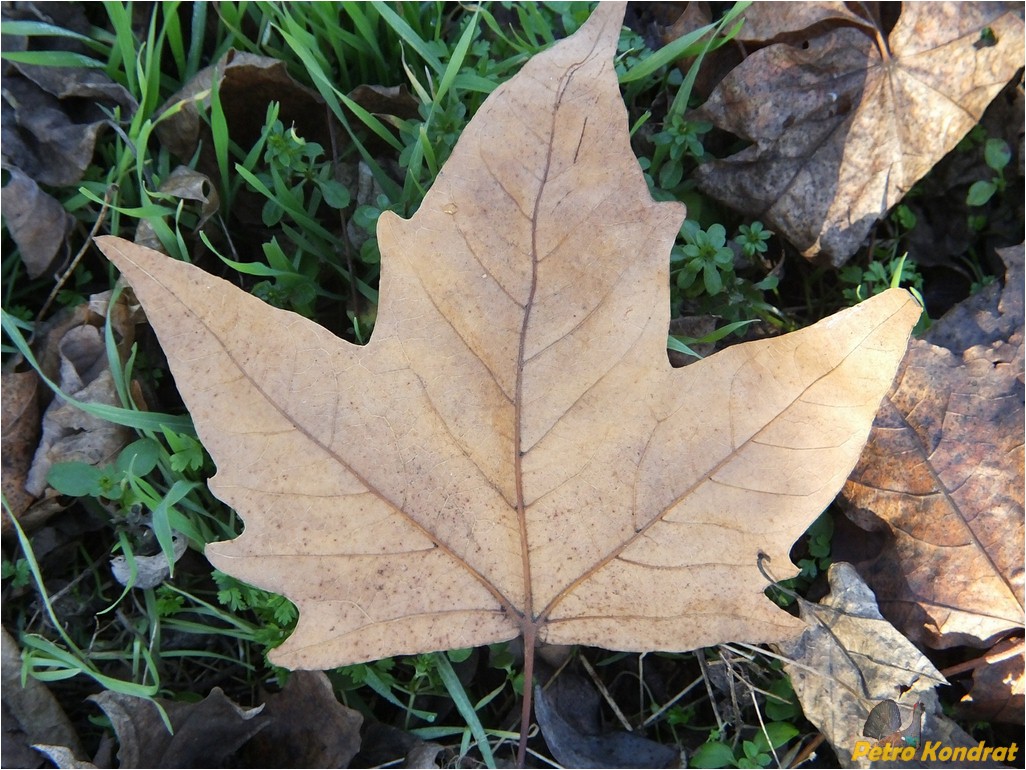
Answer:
(204, 734)
(568, 715)
(307, 727)
(75, 356)
(184, 184)
(850, 660)
(794, 23)
(53, 115)
(150, 571)
(37, 222)
(247, 83)
(998, 689)
(386, 101)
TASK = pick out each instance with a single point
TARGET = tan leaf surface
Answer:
(841, 130)
(942, 479)
(512, 452)
(785, 21)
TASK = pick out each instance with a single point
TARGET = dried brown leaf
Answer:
(942, 480)
(387, 746)
(52, 115)
(31, 714)
(307, 727)
(842, 125)
(19, 436)
(568, 715)
(795, 22)
(185, 184)
(205, 734)
(37, 222)
(386, 101)
(76, 353)
(68, 433)
(246, 84)
(850, 659)
(64, 758)
(512, 452)
(998, 689)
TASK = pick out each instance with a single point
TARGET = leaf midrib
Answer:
(701, 479)
(507, 605)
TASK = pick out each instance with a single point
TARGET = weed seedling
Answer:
(997, 155)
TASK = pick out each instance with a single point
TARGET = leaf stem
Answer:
(530, 637)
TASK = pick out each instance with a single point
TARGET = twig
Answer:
(547, 760)
(111, 190)
(732, 675)
(1008, 649)
(669, 704)
(605, 694)
(762, 725)
(708, 688)
(809, 750)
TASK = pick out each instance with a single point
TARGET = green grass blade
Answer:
(219, 137)
(173, 35)
(196, 38)
(687, 46)
(39, 29)
(335, 100)
(366, 31)
(37, 575)
(296, 212)
(463, 705)
(122, 59)
(152, 421)
(471, 81)
(372, 680)
(681, 47)
(52, 59)
(411, 38)
(162, 519)
(459, 53)
(672, 343)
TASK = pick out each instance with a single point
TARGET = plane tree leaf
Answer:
(512, 453)
(843, 123)
(941, 480)
(774, 22)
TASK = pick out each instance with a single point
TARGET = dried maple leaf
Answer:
(844, 123)
(775, 22)
(942, 479)
(512, 452)
(850, 660)
(206, 733)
